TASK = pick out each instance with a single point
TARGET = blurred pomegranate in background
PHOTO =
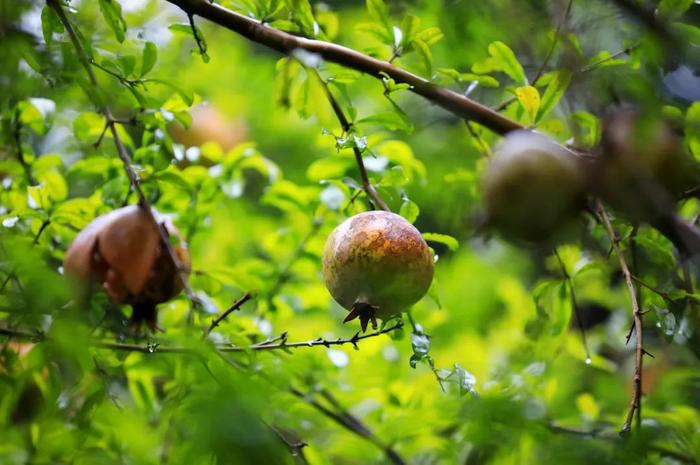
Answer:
(123, 252)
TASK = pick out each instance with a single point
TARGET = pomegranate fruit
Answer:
(376, 265)
(532, 187)
(210, 125)
(642, 168)
(123, 252)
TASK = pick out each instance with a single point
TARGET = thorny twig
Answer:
(636, 403)
(550, 53)
(349, 422)
(122, 151)
(292, 441)
(153, 347)
(419, 331)
(347, 129)
(574, 304)
(234, 306)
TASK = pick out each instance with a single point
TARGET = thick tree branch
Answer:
(286, 43)
(86, 61)
(636, 403)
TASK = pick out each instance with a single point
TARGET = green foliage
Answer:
(489, 368)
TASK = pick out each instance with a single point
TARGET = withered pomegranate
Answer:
(532, 187)
(376, 265)
(122, 252)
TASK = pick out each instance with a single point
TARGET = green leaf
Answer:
(88, 126)
(505, 60)
(394, 177)
(112, 13)
(425, 54)
(409, 210)
(148, 58)
(378, 11)
(529, 98)
(554, 92)
(448, 241)
(392, 120)
(672, 9)
(430, 36)
(50, 24)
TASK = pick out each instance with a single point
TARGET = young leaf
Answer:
(409, 210)
(50, 24)
(148, 58)
(112, 12)
(555, 90)
(505, 60)
(448, 241)
(529, 98)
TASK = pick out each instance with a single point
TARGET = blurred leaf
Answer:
(444, 239)
(554, 92)
(112, 13)
(148, 58)
(529, 98)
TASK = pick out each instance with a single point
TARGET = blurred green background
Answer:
(257, 193)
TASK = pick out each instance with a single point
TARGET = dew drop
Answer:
(588, 360)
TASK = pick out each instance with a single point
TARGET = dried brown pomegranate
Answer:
(123, 252)
(376, 264)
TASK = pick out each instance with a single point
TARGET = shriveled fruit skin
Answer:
(642, 168)
(377, 259)
(532, 187)
(122, 252)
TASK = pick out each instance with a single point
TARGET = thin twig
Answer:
(352, 424)
(347, 129)
(155, 347)
(195, 33)
(636, 403)
(119, 77)
(235, 306)
(20, 152)
(419, 331)
(122, 151)
(574, 304)
(550, 53)
(292, 441)
(283, 275)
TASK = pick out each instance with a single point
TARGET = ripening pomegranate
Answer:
(210, 125)
(376, 265)
(642, 168)
(532, 187)
(122, 252)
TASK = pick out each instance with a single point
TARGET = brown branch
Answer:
(234, 306)
(574, 304)
(121, 149)
(350, 423)
(605, 435)
(347, 128)
(293, 442)
(503, 105)
(285, 43)
(153, 347)
(636, 403)
(419, 331)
